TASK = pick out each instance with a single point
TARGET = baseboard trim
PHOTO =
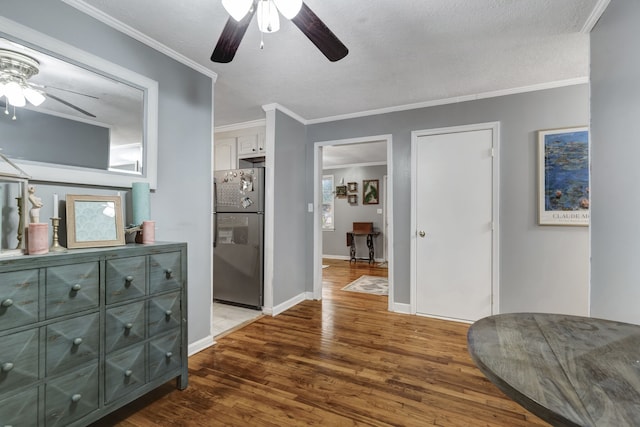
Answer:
(281, 308)
(347, 258)
(402, 308)
(341, 257)
(450, 319)
(200, 345)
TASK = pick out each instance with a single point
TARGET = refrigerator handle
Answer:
(215, 230)
(215, 214)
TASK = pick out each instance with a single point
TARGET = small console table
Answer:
(568, 370)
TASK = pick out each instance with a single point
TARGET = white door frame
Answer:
(317, 208)
(495, 234)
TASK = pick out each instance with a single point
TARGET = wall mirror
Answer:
(97, 123)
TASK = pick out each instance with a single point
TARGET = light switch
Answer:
(310, 207)
(380, 211)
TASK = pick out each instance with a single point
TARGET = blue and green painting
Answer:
(566, 171)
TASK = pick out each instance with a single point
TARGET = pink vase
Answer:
(38, 239)
(148, 232)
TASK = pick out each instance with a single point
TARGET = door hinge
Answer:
(493, 152)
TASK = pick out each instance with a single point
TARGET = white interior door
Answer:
(454, 253)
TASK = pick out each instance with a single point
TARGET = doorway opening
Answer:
(352, 170)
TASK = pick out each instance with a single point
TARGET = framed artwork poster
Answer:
(352, 187)
(94, 221)
(563, 176)
(352, 199)
(370, 192)
(341, 191)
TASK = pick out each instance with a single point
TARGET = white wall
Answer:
(615, 175)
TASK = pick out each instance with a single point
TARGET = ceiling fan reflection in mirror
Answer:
(267, 12)
(15, 71)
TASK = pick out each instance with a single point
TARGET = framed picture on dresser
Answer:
(94, 221)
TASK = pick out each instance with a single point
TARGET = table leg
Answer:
(370, 246)
(352, 250)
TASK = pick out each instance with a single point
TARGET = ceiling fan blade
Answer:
(68, 104)
(319, 34)
(231, 37)
(72, 91)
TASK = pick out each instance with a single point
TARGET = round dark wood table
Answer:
(568, 370)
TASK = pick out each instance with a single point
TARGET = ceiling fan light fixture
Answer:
(34, 96)
(13, 92)
(237, 8)
(268, 18)
(288, 8)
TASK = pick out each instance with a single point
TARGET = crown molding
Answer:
(454, 100)
(143, 38)
(595, 15)
(240, 126)
(354, 165)
(285, 110)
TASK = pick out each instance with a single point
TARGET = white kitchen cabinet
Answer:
(251, 145)
(225, 154)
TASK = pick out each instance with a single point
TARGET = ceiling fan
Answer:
(242, 12)
(15, 71)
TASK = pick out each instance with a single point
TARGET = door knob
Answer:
(421, 233)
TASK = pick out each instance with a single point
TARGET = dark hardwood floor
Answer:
(342, 361)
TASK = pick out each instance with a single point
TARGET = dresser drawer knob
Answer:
(168, 355)
(77, 341)
(76, 287)
(168, 313)
(169, 273)
(128, 326)
(76, 398)
(128, 280)
(128, 373)
(7, 366)
(7, 303)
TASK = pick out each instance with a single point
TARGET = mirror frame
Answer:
(78, 175)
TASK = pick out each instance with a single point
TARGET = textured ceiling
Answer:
(400, 52)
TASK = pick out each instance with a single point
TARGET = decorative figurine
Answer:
(36, 203)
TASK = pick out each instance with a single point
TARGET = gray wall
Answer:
(345, 214)
(46, 138)
(182, 203)
(541, 268)
(290, 246)
(615, 109)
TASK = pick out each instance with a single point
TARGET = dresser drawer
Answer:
(71, 396)
(72, 342)
(125, 325)
(20, 409)
(164, 355)
(124, 372)
(164, 313)
(18, 298)
(71, 288)
(125, 278)
(18, 359)
(164, 272)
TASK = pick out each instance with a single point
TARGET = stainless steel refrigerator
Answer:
(238, 242)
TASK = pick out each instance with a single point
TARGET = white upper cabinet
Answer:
(251, 145)
(225, 154)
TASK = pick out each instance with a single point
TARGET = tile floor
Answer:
(227, 318)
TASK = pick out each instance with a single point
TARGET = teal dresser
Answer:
(85, 332)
